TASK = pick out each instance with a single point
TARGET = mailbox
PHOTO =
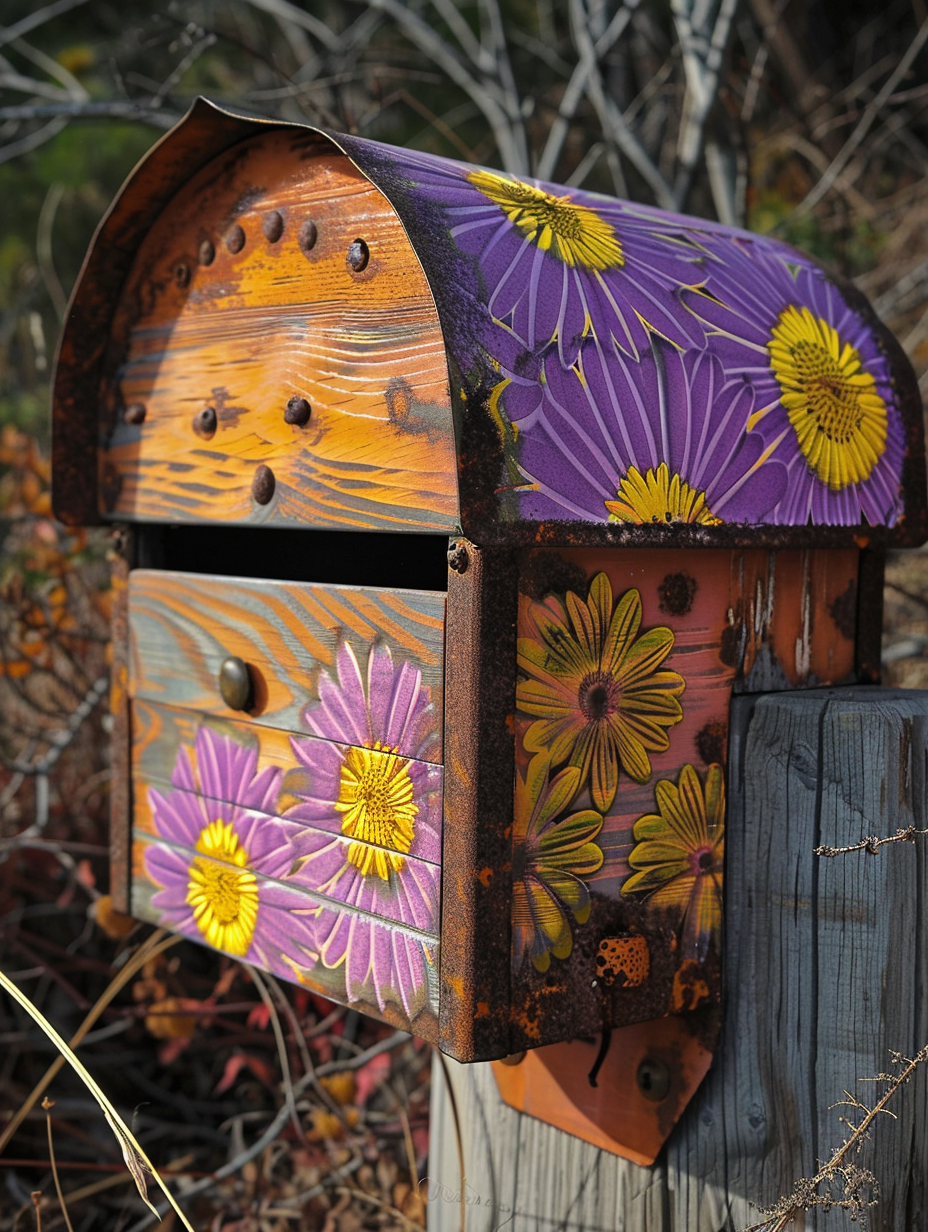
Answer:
(451, 509)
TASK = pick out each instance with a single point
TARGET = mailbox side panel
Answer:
(302, 834)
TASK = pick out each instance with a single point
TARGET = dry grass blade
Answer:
(156, 944)
(137, 1161)
(47, 1104)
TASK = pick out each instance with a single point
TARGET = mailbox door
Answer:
(286, 754)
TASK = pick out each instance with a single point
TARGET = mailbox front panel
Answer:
(301, 831)
(276, 356)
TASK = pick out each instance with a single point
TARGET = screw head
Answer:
(653, 1079)
(358, 256)
(298, 412)
(134, 413)
(207, 253)
(263, 485)
(205, 422)
(309, 233)
(514, 1058)
(458, 559)
(273, 226)
(235, 239)
(235, 683)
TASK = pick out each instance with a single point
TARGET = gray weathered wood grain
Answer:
(824, 976)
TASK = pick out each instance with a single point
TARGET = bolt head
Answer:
(358, 256)
(298, 412)
(263, 485)
(235, 683)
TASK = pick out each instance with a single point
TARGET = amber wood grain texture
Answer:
(279, 272)
(479, 766)
(182, 627)
(824, 967)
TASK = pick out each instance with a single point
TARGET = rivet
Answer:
(309, 233)
(235, 239)
(263, 484)
(182, 273)
(358, 256)
(205, 421)
(235, 684)
(458, 559)
(273, 226)
(134, 413)
(207, 252)
(653, 1078)
(298, 412)
(514, 1058)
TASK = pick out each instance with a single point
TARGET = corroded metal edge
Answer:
(122, 551)
(480, 662)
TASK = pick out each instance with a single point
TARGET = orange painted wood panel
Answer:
(627, 663)
(182, 627)
(279, 272)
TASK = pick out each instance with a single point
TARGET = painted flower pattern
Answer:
(678, 854)
(663, 440)
(219, 862)
(597, 686)
(824, 401)
(367, 826)
(551, 862)
(558, 266)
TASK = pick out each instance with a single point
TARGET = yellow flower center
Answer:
(658, 496)
(224, 899)
(573, 233)
(832, 402)
(375, 794)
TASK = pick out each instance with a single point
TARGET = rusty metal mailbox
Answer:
(453, 509)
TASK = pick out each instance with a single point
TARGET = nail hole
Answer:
(182, 273)
(235, 239)
(134, 413)
(207, 252)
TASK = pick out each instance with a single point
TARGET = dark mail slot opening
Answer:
(406, 562)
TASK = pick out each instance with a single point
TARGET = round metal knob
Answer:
(235, 684)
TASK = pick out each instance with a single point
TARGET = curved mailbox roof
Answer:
(617, 374)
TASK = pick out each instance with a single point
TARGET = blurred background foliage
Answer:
(806, 118)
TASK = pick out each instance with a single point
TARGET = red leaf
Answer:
(234, 1066)
(370, 1076)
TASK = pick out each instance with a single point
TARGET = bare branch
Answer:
(576, 89)
(702, 62)
(615, 128)
(871, 111)
(36, 19)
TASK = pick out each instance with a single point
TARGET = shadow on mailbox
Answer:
(571, 472)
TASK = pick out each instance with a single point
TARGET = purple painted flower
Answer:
(564, 265)
(221, 845)
(662, 440)
(824, 401)
(367, 826)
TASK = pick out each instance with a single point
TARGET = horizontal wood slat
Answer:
(228, 307)
(285, 930)
(182, 627)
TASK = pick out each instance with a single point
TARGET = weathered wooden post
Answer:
(452, 512)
